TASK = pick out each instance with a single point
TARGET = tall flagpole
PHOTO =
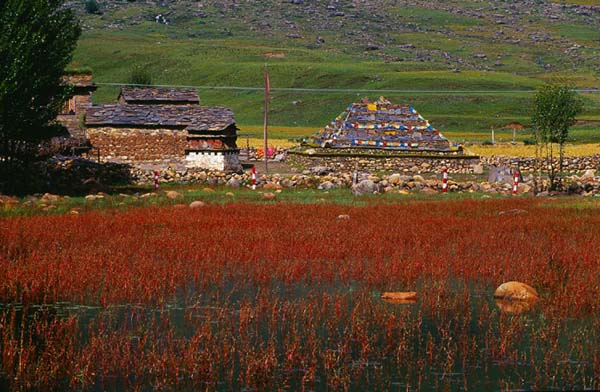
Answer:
(267, 90)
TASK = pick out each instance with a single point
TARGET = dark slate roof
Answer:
(150, 95)
(191, 118)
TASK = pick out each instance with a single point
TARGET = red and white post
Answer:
(516, 182)
(253, 177)
(445, 179)
(155, 180)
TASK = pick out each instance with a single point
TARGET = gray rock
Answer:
(365, 187)
(327, 186)
(477, 169)
(233, 183)
(588, 175)
(319, 170)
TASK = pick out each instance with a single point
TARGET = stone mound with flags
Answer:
(381, 124)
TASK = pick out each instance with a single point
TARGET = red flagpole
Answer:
(267, 90)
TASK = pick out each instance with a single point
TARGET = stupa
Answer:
(381, 125)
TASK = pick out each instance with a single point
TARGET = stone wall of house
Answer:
(73, 121)
(130, 145)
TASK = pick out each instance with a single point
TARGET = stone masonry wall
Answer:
(384, 164)
(130, 145)
(71, 121)
(430, 165)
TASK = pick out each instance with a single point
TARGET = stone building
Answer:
(164, 125)
(72, 115)
(198, 136)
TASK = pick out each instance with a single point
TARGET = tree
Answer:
(37, 40)
(555, 108)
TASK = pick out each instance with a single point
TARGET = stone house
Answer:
(199, 136)
(73, 112)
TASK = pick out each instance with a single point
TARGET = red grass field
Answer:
(285, 296)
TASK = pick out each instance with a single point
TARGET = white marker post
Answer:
(445, 179)
(155, 180)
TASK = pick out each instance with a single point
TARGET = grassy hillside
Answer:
(448, 48)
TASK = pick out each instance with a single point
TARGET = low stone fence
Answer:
(69, 176)
(373, 162)
(430, 164)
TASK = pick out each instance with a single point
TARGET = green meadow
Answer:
(224, 49)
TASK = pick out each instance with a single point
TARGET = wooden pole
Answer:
(267, 89)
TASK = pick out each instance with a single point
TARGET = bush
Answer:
(529, 142)
(92, 7)
(140, 75)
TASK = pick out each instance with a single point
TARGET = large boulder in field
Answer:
(400, 297)
(516, 291)
(365, 187)
(514, 307)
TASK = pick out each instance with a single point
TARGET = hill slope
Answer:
(376, 44)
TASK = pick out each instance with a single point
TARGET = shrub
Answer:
(92, 7)
(140, 75)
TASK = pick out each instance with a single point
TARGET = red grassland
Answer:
(246, 296)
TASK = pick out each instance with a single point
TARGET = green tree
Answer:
(37, 40)
(555, 108)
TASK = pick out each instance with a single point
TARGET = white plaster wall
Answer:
(205, 160)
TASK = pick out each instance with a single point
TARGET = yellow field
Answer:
(521, 150)
(505, 149)
(258, 143)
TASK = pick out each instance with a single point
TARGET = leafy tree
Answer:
(554, 111)
(37, 40)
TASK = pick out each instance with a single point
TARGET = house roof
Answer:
(151, 95)
(191, 118)
(80, 81)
